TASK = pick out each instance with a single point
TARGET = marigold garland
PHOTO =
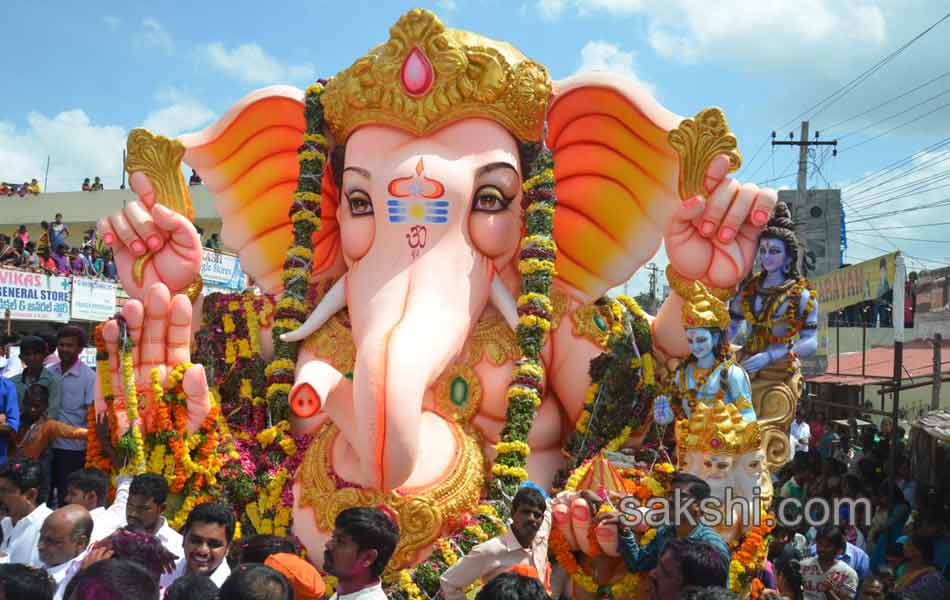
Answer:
(526, 388)
(132, 440)
(305, 216)
(626, 587)
(762, 324)
(748, 557)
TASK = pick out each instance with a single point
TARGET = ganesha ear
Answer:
(616, 179)
(248, 160)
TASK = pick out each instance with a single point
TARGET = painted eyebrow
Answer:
(495, 165)
(359, 170)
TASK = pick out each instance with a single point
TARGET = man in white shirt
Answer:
(799, 435)
(525, 543)
(825, 576)
(89, 488)
(144, 508)
(63, 541)
(208, 532)
(21, 482)
(363, 541)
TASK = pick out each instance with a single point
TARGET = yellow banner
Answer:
(865, 281)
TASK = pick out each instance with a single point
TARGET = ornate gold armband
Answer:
(193, 291)
(681, 285)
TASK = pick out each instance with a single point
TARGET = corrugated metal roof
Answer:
(879, 365)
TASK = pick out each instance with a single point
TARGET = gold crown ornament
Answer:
(427, 76)
(717, 428)
(702, 309)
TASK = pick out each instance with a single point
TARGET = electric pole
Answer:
(803, 144)
(653, 269)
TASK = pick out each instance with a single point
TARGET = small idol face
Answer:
(702, 342)
(773, 255)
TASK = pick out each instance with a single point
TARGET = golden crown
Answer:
(427, 76)
(702, 309)
(717, 428)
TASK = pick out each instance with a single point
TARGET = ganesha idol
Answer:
(402, 217)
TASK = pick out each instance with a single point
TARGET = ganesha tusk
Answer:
(504, 302)
(332, 303)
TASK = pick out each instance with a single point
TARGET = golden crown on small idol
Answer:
(702, 309)
(427, 76)
(717, 428)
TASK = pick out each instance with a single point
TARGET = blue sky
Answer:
(78, 76)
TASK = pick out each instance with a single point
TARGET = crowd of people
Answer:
(51, 254)
(14, 189)
(63, 538)
(897, 542)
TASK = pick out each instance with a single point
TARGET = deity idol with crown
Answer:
(710, 373)
(781, 312)
(719, 445)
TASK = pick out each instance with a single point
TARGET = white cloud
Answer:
(112, 22)
(448, 5)
(604, 56)
(182, 114)
(154, 35)
(77, 149)
(550, 10)
(251, 64)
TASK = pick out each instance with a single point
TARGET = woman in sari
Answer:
(920, 576)
(892, 503)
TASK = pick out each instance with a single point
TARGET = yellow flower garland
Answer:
(137, 464)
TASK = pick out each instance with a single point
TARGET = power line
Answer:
(936, 204)
(886, 102)
(894, 116)
(867, 179)
(904, 124)
(847, 88)
(905, 239)
(938, 158)
(902, 227)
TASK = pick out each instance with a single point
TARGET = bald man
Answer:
(63, 541)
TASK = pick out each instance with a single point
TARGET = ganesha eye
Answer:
(489, 198)
(360, 203)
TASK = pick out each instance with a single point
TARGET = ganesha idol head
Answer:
(719, 446)
(430, 139)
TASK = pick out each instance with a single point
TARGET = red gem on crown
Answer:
(417, 74)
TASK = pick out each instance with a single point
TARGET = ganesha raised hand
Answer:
(160, 334)
(714, 238)
(146, 228)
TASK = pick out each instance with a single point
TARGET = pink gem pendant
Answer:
(417, 73)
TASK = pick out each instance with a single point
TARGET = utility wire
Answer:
(934, 160)
(847, 88)
(867, 179)
(894, 116)
(936, 204)
(915, 226)
(904, 124)
(886, 102)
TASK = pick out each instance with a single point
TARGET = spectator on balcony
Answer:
(94, 260)
(86, 186)
(32, 258)
(34, 187)
(61, 260)
(59, 231)
(23, 257)
(43, 244)
(23, 234)
(109, 270)
(194, 179)
(77, 262)
(4, 189)
(97, 185)
(46, 261)
(213, 243)
(8, 254)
